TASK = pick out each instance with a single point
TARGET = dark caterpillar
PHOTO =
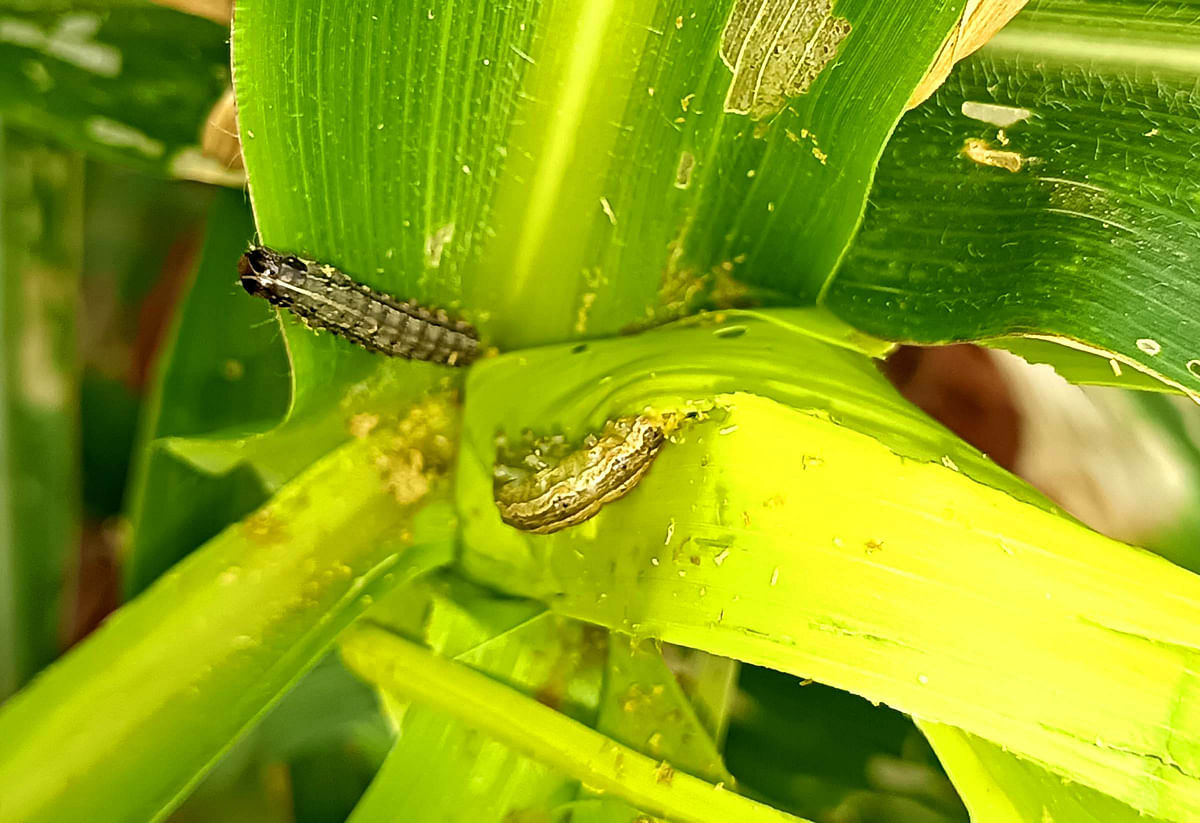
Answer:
(325, 298)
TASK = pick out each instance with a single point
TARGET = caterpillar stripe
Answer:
(577, 487)
(325, 298)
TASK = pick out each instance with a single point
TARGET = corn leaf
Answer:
(791, 528)
(40, 262)
(569, 169)
(124, 81)
(137, 713)
(1048, 189)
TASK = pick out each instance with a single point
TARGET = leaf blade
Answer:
(40, 510)
(1026, 199)
(894, 531)
(86, 75)
(521, 220)
(136, 718)
(384, 658)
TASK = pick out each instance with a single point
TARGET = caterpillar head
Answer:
(256, 267)
(260, 267)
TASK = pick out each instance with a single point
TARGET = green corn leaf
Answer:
(1077, 366)
(225, 424)
(569, 169)
(134, 716)
(1048, 189)
(999, 786)
(791, 527)
(126, 82)
(404, 668)
(222, 368)
(466, 775)
(626, 693)
(40, 243)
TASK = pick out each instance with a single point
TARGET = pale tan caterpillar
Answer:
(325, 298)
(578, 486)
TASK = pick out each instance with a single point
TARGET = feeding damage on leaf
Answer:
(414, 455)
(980, 152)
(980, 21)
(776, 49)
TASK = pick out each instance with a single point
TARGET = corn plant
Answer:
(717, 216)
